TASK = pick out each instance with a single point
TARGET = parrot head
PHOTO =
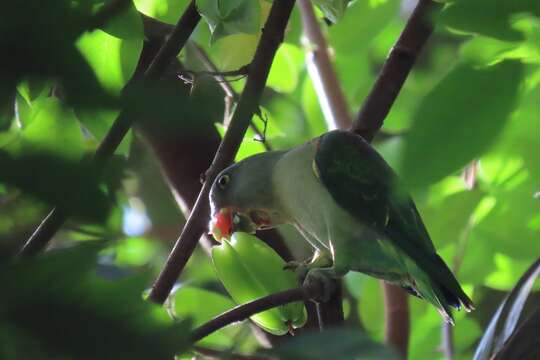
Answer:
(242, 199)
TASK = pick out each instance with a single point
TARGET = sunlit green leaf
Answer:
(459, 119)
(135, 251)
(112, 59)
(168, 11)
(367, 18)
(52, 128)
(285, 69)
(448, 221)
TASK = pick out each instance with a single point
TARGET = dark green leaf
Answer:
(459, 120)
(336, 344)
(504, 321)
(53, 307)
(71, 185)
(495, 18)
(41, 36)
(127, 24)
(187, 305)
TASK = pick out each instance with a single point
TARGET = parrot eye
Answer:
(223, 181)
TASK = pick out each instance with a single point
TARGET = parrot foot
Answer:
(300, 268)
(321, 259)
(321, 282)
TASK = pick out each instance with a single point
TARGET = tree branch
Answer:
(331, 97)
(396, 317)
(271, 38)
(395, 70)
(56, 218)
(227, 88)
(244, 311)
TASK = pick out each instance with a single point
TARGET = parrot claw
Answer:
(321, 259)
(300, 268)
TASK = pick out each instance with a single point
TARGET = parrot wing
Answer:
(363, 184)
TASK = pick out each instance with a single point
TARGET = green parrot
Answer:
(346, 202)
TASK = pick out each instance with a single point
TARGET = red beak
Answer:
(221, 225)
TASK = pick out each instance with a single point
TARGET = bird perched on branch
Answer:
(346, 202)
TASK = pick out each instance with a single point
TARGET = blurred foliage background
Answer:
(463, 135)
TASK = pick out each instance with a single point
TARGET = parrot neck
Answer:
(300, 195)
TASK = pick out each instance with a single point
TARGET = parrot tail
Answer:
(451, 290)
(443, 295)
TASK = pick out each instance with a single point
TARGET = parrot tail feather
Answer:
(451, 290)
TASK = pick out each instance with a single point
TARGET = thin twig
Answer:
(244, 311)
(219, 75)
(271, 38)
(228, 90)
(176, 41)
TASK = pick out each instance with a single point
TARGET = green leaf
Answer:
(332, 344)
(368, 19)
(112, 59)
(447, 220)
(54, 307)
(227, 17)
(126, 25)
(52, 128)
(135, 251)
(484, 50)
(333, 10)
(494, 18)
(168, 11)
(285, 69)
(459, 120)
(41, 36)
(98, 122)
(505, 320)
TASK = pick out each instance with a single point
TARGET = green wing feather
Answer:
(362, 183)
